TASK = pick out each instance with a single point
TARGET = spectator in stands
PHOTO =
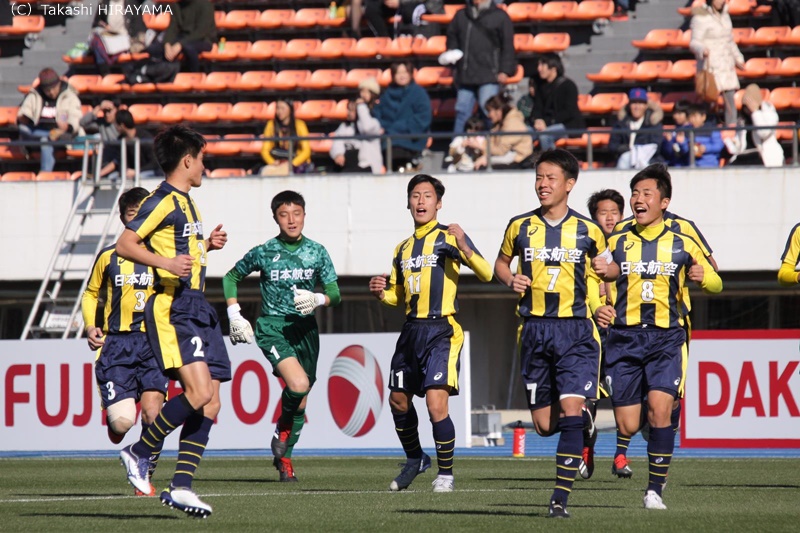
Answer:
(118, 28)
(525, 103)
(465, 150)
(410, 12)
(357, 155)
(757, 112)
(276, 153)
(480, 45)
(679, 111)
(191, 31)
(556, 102)
(707, 141)
(404, 108)
(712, 42)
(507, 151)
(101, 120)
(112, 154)
(634, 149)
(51, 111)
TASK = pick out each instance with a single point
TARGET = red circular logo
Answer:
(355, 391)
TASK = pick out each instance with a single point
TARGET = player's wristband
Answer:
(234, 311)
(320, 299)
(511, 283)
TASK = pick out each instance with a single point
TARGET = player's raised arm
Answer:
(469, 254)
(703, 273)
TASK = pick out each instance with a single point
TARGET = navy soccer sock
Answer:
(405, 424)
(172, 415)
(568, 456)
(675, 417)
(622, 444)
(194, 437)
(153, 456)
(444, 435)
(659, 454)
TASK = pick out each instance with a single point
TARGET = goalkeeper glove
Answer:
(306, 301)
(241, 331)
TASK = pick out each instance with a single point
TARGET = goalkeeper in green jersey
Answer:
(291, 266)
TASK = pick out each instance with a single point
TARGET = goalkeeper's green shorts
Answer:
(282, 337)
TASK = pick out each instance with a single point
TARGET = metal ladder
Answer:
(90, 227)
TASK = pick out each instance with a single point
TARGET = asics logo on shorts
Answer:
(677, 381)
(588, 385)
(438, 376)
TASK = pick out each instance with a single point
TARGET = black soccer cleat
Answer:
(558, 510)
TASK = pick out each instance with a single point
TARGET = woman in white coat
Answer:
(712, 42)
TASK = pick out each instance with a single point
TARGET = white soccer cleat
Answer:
(653, 501)
(186, 501)
(137, 468)
(443, 484)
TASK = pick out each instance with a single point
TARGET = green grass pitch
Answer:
(350, 494)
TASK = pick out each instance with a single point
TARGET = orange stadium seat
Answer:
(430, 76)
(157, 22)
(668, 100)
(385, 78)
(612, 72)
(23, 25)
(648, 71)
(683, 69)
(450, 11)
(210, 111)
(557, 10)
(231, 52)
(8, 151)
(298, 49)
(523, 42)
(741, 34)
(286, 80)
(253, 80)
(176, 112)
(323, 79)
(237, 19)
(244, 112)
(216, 146)
(368, 47)
(357, 75)
(785, 98)
(319, 143)
(592, 10)
(793, 39)
(657, 39)
(82, 82)
(314, 110)
(273, 18)
(551, 42)
(432, 46)
(398, 47)
(682, 41)
(790, 67)
(110, 84)
(333, 48)
(788, 133)
(219, 81)
(600, 138)
(757, 67)
(62, 175)
(183, 82)
(603, 103)
(339, 112)
(246, 142)
(768, 36)
(584, 103)
(143, 113)
(307, 17)
(523, 11)
(687, 10)
(18, 176)
(738, 8)
(262, 50)
(227, 173)
(8, 115)
(516, 78)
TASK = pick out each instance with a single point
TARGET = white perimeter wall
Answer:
(745, 213)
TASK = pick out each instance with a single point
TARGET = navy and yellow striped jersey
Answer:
(170, 224)
(557, 259)
(653, 265)
(124, 286)
(676, 223)
(787, 275)
(425, 272)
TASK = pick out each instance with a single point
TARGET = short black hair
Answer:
(173, 144)
(605, 194)
(658, 172)
(438, 186)
(563, 159)
(475, 123)
(552, 60)
(701, 109)
(130, 199)
(681, 106)
(124, 118)
(287, 198)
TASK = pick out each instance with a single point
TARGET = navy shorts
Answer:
(126, 367)
(558, 357)
(427, 355)
(183, 328)
(645, 359)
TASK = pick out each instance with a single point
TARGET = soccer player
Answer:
(182, 327)
(788, 275)
(620, 466)
(126, 369)
(606, 208)
(426, 360)
(646, 345)
(291, 266)
(558, 249)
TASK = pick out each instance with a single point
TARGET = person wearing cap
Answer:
(757, 112)
(634, 149)
(359, 155)
(51, 111)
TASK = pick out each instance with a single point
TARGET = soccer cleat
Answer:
(653, 501)
(137, 492)
(411, 469)
(621, 468)
(443, 483)
(586, 466)
(137, 468)
(114, 437)
(280, 441)
(285, 469)
(558, 510)
(185, 500)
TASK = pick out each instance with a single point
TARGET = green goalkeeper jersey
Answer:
(281, 266)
